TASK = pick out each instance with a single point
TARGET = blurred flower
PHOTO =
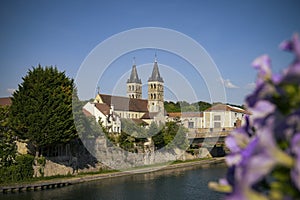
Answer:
(264, 162)
(295, 147)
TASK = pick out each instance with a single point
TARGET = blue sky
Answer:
(63, 33)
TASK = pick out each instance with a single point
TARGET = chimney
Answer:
(112, 109)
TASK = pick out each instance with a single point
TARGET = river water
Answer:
(187, 184)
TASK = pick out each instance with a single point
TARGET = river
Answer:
(173, 184)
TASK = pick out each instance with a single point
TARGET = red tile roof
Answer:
(223, 107)
(5, 101)
(192, 114)
(86, 113)
(125, 103)
(174, 114)
(103, 108)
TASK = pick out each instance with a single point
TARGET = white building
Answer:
(218, 116)
(109, 118)
(223, 116)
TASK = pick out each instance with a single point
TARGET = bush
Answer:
(19, 171)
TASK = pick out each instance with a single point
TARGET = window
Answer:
(191, 124)
(217, 124)
(217, 118)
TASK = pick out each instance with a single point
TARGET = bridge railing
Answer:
(206, 133)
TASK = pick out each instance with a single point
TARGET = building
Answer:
(192, 120)
(219, 116)
(223, 116)
(5, 101)
(110, 109)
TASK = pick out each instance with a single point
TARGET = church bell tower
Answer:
(134, 84)
(155, 90)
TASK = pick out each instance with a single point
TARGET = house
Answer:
(106, 114)
(223, 116)
(219, 116)
(5, 101)
(110, 109)
(192, 120)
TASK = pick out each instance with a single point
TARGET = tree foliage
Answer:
(183, 106)
(86, 126)
(20, 170)
(171, 135)
(131, 128)
(7, 144)
(41, 109)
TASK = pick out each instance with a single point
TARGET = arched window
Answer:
(151, 86)
(154, 96)
(151, 96)
(133, 88)
(129, 87)
(154, 86)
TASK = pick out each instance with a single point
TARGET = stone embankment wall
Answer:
(98, 154)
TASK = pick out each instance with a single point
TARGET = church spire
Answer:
(155, 72)
(134, 77)
(134, 84)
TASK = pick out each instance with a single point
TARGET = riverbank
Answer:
(65, 181)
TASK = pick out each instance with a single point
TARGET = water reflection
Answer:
(169, 184)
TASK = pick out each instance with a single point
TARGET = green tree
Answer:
(131, 128)
(203, 105)
(174, 136)
(86, 126)
(41, 109)
(171, 135)
(7, 144)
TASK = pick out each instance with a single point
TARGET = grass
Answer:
(56, 177)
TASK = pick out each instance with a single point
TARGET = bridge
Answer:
(213, 139)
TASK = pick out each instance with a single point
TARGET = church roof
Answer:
(104, 108)
(125, 103)
(155, 74)
(134, 77)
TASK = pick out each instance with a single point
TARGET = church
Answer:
(110, 109)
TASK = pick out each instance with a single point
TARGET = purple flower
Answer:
(292, 73)
(263, 91)
(263, 64)
(262, 109)
(292, 45)
(265, 151)
(295, 172)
